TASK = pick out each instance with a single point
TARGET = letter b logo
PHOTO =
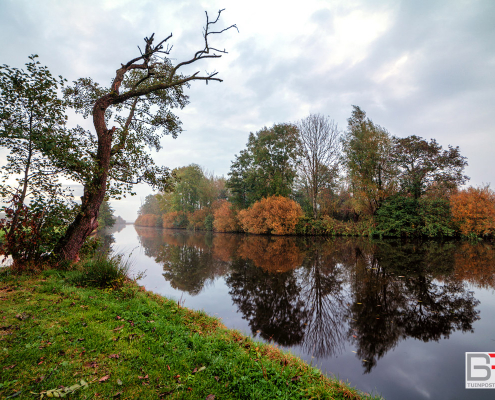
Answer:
(479, 370)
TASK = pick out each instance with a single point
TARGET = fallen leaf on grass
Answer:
(119, 382)
(118, 329)
(210, 397)
(217, 378)
(113, 356)
(117, 395)
(143, 377)
(104, 379)
(91, 364)
(195, 370)
(296, 378)
(10, 366)
(22, 316)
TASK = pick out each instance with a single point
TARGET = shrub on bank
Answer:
(436, 217)
(175, 219)
(275, 214)
(198, 219)
(398, 216)
(151, 220)
(333, 227)
(473, 210)
(406, 216)
(225, 218)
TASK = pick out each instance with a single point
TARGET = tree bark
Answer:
(86, 220)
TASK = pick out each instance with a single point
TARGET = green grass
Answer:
(132, 344)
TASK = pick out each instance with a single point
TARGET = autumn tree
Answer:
(319, 147)
(267, 167)
(139, 102)
(424, 165)
(473, 209)
(225, 217)
(275, 214)
(367, 149)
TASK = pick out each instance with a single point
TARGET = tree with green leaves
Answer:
(150, 205)
(106, 218)
(424, 165)
(139, 103)
(187, 195)
(267, 167)
(367, 149)
(32, 128)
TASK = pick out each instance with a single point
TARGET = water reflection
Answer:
(427, 302)
(324, 294)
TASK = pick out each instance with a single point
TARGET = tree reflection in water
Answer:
(106, 237)
(322, 293)
(426, 302)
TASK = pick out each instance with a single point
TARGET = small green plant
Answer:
(103, 271)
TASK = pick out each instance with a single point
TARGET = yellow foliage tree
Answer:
(473, 209)
(275, 214)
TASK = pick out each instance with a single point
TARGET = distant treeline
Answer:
(311, 178)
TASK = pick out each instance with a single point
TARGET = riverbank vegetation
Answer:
(103, 336)
(309, 178)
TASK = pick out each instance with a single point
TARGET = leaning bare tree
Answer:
(320, 150)
(139, 101)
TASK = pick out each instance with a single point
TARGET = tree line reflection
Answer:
(325, 294)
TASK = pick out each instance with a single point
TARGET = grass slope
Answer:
(131, 344)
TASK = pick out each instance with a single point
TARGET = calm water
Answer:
(393, 318)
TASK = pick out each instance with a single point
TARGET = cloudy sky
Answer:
(416, 67)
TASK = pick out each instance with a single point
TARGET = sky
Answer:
(417, 67)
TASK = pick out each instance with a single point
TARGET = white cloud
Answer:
(415, 68)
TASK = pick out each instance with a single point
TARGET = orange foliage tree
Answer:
(473, 209)
(148, 220)
(275, 214)
(198, 217)
(175, 219)
(225, 217)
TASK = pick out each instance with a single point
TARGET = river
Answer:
(391, 317)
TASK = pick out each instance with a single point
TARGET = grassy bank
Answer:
(132, 344)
